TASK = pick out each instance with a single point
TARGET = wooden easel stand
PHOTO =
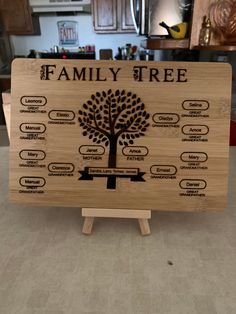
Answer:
(91, 213)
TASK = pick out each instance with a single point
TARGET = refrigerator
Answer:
(147, 14)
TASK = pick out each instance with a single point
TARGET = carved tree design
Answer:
(113, 117)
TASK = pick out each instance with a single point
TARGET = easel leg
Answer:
(88, 225)
(144, 226)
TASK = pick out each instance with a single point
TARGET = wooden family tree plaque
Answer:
(117, 134)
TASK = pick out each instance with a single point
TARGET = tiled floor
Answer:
(186, 266)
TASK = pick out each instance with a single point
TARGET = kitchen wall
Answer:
(49, 36)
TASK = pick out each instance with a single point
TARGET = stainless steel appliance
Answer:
(147, 14)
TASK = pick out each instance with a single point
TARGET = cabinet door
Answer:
(126, 17)
(16, 16)
(105, 15)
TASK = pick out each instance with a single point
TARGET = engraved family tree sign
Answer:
(115, 134)
(113, 118)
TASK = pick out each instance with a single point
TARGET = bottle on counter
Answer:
(81, 49)
(32, 54)
(56, 49)
(205, 32)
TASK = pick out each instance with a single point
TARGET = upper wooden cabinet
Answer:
(105, 15)
(126, 17)
(112, 16)
(17, 19)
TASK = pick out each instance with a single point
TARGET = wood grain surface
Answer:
(115, 134)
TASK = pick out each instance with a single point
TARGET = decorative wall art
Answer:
(68, 33)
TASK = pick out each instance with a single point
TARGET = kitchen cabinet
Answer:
(112, 16)
(126, 17)
(17, 18)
